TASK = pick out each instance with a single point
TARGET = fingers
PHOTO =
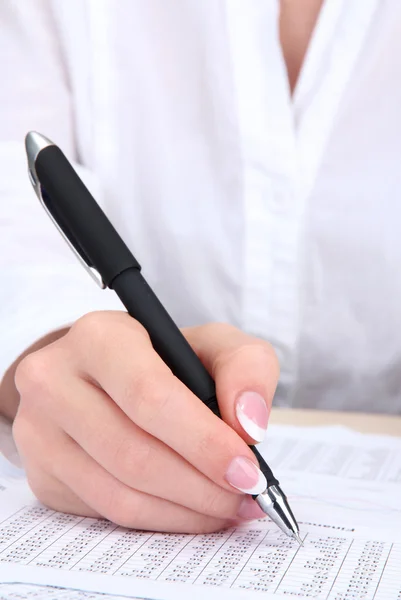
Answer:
(100, 493)
(246, 372)
(129, 441)
(134, 457)
(120, 358)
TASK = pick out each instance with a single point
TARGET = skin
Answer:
(102, 430)
(297, 21)
(99, 419)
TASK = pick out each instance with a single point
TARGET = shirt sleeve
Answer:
(42, 285)
(7, 445)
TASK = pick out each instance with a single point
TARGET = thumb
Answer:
(246, 372)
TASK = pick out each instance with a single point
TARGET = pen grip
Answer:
(264, 467)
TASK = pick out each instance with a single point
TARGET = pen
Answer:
(111, 264)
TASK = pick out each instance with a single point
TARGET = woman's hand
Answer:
(104, 428)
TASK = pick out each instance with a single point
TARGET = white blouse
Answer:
(280, 215)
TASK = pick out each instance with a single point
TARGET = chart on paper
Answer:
(346, 456)
(332, 565)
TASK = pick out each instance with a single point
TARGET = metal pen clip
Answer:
(34, 143)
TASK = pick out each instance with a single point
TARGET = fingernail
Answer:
(253, 415)
(244, 475)
(249, 509)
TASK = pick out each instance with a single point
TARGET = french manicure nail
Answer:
(244, 475)
(253, 415)
(249, 509)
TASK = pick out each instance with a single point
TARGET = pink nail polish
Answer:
(244, 475)
(249, 509)
(253, 414)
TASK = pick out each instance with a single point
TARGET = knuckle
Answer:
(215, 503)
(99, 326)
(265, 353)
(92, 326)
(256, 351)
(120, 506)
(131, 460)
(149, 395)
(208, 446)
(135, 327)
(32, 373)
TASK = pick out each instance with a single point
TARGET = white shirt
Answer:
(280, 215)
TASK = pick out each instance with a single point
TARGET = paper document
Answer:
(340, 467)
(20, 591)
(342, 454)
(67, 550)
(347, 553)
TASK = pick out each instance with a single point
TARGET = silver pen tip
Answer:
(298, 538)
(274, 503)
